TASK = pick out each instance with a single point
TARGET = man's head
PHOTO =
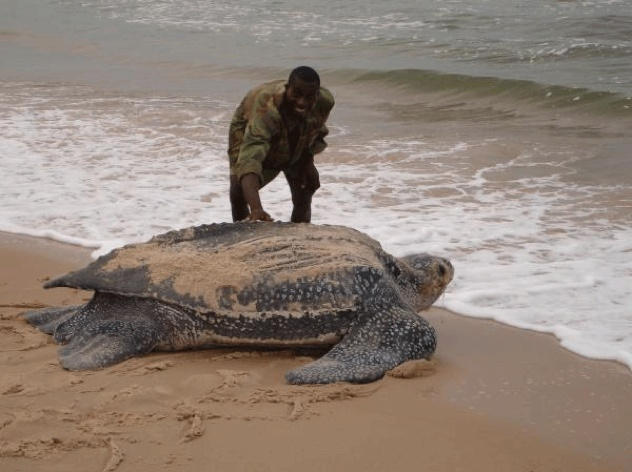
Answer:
(301, 90)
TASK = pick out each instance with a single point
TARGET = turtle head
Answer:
(432, 274)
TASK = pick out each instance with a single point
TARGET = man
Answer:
(278, 126)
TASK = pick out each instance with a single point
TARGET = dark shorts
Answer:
(301, 176)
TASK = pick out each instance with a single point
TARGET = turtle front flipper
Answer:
(375, 344)
(47, 319)
(359, 364)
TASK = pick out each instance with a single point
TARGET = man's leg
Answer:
(303, 185)
(302, 211)
(238, 203)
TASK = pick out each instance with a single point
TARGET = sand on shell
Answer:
(493, 398)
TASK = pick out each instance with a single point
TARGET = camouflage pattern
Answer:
(258, 139)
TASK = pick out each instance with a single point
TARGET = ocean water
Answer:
(495, 133)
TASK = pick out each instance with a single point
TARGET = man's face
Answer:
(301, 96)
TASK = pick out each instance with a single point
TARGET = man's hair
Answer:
(306, 74)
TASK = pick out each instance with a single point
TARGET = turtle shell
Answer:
(238, 267)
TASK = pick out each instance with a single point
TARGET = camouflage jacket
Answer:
(258, 139)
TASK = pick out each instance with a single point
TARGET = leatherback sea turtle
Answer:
(253, 284)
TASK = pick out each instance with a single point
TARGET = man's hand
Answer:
(259, 215)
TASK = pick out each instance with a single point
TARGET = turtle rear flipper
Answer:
(108, 330)
(47, 319)
(107, 342)
(384, 341)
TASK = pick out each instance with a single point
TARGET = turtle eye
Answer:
(441, 270)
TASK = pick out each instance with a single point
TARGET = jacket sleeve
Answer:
(326, 103)
(262, 127)
(319, 143)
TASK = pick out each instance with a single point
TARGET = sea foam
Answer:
(530, 247)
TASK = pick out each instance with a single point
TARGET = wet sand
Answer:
(494, 398)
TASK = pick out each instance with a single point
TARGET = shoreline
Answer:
(497, 396)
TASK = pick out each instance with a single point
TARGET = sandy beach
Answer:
(494, 398)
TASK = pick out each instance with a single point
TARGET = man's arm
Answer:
(325, 104)
(319, 143)
(253, 151)
(250, 187)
